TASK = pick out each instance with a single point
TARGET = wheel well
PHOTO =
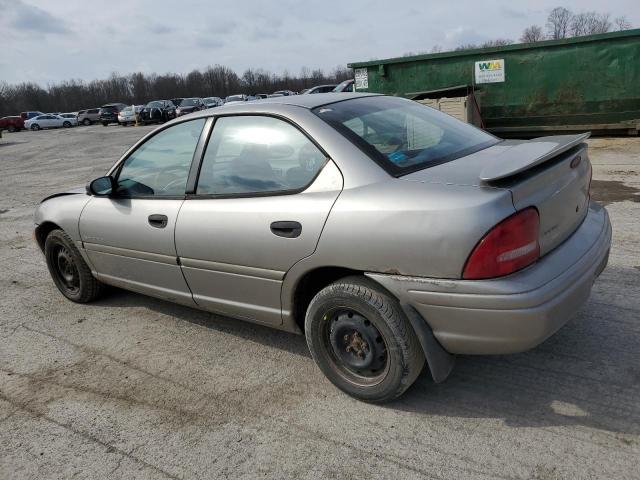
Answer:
(310, 284)
(42, 231)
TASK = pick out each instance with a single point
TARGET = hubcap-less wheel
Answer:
(66, 269)
(86, 121)
(362, 341)
(358, 350)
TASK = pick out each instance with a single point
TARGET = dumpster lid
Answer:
(455, 91)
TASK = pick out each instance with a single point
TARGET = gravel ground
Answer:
(133, 387)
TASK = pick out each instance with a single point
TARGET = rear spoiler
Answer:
(524, 156)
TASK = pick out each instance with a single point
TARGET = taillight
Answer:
(508, 247)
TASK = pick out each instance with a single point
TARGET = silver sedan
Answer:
(390, 234)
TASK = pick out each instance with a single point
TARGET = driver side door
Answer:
(129, 235)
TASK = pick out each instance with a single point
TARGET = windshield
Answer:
(189, 102)
(235, 98)
(401, 135)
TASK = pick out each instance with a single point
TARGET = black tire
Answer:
(104, 124)
(66, 124)
(86, 122)
(68, 269)
(35, 126)
(389, 357)
(11, 128)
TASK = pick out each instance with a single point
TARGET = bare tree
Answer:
(579, 23)
(598, 23)
(532, 34)
(436, 49)
(622, 23)
(558, 23)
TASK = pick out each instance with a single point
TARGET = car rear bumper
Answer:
(517, 312)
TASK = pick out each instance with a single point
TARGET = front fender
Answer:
(62, 211)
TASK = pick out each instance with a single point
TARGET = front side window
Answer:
(257, 154)
(160, 166)
(401, 135)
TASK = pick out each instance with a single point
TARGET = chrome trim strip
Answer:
(125, 252)
(233, 269)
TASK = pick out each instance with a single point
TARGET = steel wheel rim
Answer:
(356, 349)
(66, 269)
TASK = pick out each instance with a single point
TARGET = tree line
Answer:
(561, 23)
(140, 88)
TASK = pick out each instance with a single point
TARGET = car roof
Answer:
(311, 101)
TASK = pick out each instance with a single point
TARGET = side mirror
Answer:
(101, 187)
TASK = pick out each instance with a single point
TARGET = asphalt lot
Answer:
(134, 387)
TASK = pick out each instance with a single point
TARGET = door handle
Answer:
(286, 229)
(158, 221)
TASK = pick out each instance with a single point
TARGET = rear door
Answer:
(263, 194)
(129, 237)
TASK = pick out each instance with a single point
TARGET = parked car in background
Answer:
(189, 105)
(320, 89)
(176, 101)
(72, 117)
(474, 245)
(109, 113)
(285, 93)
(236, 98)
(258, 96)
(158, 111)
(346, 86)
(212, 102)
(30, 114)
(12, 123)
(128, 115)
(48, 121)
(87, 117)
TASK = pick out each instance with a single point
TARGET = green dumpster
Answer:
(576, 84)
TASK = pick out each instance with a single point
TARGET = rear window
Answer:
(189, 102)
(401, 135)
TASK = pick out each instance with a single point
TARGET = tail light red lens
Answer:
(508, 247)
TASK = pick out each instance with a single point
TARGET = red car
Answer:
(12, 124)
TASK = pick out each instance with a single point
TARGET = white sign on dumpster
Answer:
(362, 78)
(490, 71)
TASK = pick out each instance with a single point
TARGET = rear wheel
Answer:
(68, 269)
(104, 124)
(361, 340)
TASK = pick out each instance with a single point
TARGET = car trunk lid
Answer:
(551, 174)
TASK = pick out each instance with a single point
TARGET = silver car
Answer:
(385, 231)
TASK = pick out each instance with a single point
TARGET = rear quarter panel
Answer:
(410, 228)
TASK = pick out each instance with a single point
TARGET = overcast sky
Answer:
(51, 40)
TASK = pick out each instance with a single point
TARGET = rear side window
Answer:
(401, 135)
(257, 155)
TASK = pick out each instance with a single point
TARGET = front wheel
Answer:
(11, 128)
(68, 269)
(361, 340)
(104, 124)
(35, 126)
(66, 124)
(86, 122)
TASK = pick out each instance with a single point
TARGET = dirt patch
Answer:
(612, 191)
